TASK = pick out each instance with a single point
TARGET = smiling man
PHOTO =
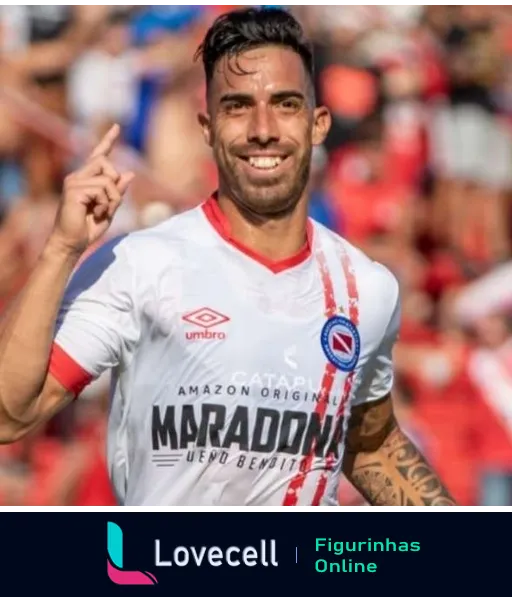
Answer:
(250, 347)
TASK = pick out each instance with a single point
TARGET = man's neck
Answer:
(274, 238)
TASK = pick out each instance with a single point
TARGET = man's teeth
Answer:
(265, 163)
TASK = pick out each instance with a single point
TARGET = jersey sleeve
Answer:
(97, 326)
(378, 372)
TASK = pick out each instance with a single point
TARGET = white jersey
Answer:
(232, 376)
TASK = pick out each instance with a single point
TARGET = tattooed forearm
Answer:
(398, 475)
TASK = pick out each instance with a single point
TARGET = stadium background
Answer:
(416, 171)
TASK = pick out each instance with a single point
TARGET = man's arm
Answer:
(384, 465)
(29, 394)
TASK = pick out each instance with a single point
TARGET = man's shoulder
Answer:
(371, 276)
(161, 245)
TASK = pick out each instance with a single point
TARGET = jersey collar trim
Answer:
(219, 221)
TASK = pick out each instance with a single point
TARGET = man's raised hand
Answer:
(91, 197)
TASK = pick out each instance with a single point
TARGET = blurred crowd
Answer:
(417, 171)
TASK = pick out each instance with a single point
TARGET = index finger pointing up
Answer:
(105, 146)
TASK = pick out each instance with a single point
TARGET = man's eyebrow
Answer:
(288, 94)
(246, 98)
(236, 97)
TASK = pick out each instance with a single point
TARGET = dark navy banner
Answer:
(188, 554)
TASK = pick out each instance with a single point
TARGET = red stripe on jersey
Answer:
(292, 494)
(353, 301)
(67, 371)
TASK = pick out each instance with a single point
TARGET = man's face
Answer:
(262, 125)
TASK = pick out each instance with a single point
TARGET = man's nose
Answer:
(263, 127)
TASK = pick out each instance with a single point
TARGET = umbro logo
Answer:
(206, 319)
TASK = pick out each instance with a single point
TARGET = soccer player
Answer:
(249, 347)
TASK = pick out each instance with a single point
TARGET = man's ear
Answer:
(205, 124)
(321, 125)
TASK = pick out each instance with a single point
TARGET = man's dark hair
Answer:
(235, 32)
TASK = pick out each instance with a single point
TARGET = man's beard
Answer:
(270, 200)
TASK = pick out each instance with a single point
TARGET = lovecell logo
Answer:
(116, 573)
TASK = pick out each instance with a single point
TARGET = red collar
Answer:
(219, 221)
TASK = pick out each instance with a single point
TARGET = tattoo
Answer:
(375, 487)
(369, 426)
(398, 475)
